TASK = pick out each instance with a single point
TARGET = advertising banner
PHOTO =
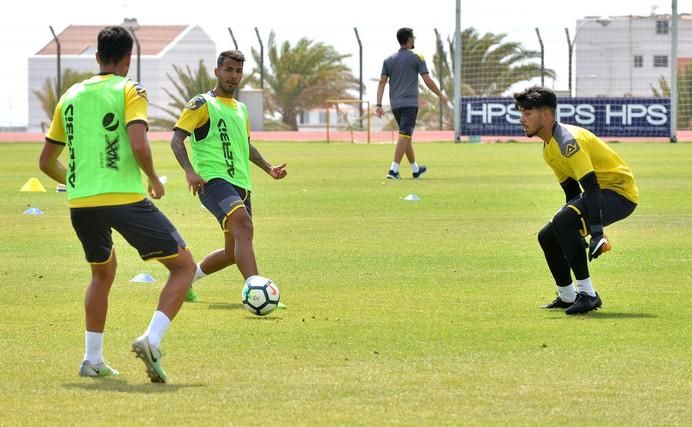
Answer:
(620, 117)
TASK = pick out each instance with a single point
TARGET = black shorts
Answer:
(406, 119)
(614, 207)
(143, 226)
(222, 198)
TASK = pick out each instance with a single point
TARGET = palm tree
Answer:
(188, 84)
(433, 114)
(663, 89)
(684, 95)
(47, 96)
(489, 67)
(685, 98)
(302, 77)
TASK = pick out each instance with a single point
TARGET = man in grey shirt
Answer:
(402, 69)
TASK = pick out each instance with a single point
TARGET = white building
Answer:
(345, 117)
(629, 55)
(161, 46)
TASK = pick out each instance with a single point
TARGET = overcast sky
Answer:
(24, 28)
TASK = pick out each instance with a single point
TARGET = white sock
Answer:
(157, 328)
(198, 274)
(394, 167)
(414, 167)
(93, 347)
(585, 285)
(567, 293)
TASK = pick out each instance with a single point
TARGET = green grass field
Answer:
(399, 312)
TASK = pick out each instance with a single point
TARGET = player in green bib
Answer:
(103, 122)
(219, 174)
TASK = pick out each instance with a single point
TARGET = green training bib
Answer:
(100, 154)
(225, 151)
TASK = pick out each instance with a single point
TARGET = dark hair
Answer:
(230, 54)
(535, 97)
(114, 43)
(404, 34)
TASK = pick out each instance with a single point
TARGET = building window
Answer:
(661, 27)
(660, 61)
(638, 61)
(305, 117)
(323, 117)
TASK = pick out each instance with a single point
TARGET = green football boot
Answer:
(151, 356)
(191, 295)
(88, 369)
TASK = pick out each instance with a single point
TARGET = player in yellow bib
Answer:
(219, 132)
(599, 188)
(103, 122)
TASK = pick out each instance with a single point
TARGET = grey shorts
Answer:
(143, 226)
(406, 119)
(614, 207)
(222, 198)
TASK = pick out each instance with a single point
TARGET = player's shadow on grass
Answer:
(270, 318)
(609, 315)
(225, 306)
(122, 386)
(616, 315)
(238, 306)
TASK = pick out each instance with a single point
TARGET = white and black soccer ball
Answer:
(260, 295)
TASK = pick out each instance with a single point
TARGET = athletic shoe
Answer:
(191, 295)
(584, 303)
(393, 175)
(151, 356)
(558, 303)
(421, 171)
(88, 369)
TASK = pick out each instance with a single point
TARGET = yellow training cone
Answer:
(33, 184)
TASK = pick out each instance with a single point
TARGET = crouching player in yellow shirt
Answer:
(580, 161)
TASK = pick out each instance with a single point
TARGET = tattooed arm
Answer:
(195, 182)
(178, 147)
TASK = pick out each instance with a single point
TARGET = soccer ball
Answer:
(260, 295)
